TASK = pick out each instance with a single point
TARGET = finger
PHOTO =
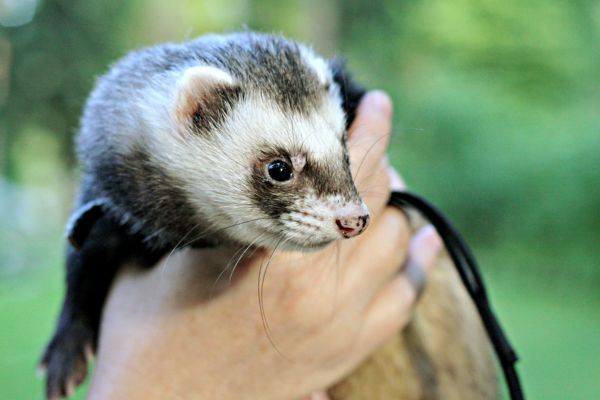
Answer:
(392, 308)
(425, 247)
(379, 251)
(318, 396)
(377, 195)
(375, 189)
(369, 134)
(397, 184)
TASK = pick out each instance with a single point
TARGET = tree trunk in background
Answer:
(5, 60)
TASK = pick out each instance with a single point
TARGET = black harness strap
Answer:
(469, 273)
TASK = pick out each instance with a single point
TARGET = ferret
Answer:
(226, 139)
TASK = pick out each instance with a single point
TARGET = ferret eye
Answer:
(280, 171)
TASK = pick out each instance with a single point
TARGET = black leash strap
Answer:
(469, 273)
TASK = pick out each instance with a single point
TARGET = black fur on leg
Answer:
(90, 272)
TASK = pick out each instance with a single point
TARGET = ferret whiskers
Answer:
(208, 231)
(240, 253)
(365, 155)
(337, 273)
(163, 266)
(254, 248)
(262, 274)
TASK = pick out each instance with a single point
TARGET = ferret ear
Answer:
(204, 95)
(350, 90)
(82, 221)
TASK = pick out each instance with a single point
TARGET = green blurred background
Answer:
(497, 120)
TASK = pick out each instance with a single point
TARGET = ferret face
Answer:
(259, 166)
(298, 177)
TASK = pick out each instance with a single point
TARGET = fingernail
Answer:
(426, 246)
(396, 182)
(431, 238)
(379, 101)
(318, 396)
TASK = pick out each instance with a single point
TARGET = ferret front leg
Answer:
(90, 272)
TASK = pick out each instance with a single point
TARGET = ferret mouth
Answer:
(306, 246)
(318, 245)
(291, 238)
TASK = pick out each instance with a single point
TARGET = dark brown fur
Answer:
(443, 354)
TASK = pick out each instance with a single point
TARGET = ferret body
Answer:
(234, 138)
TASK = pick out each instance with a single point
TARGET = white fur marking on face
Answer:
(298, 162)
(216, 168)
(316, 223)
(318, 65)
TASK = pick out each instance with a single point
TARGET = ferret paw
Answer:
(65, 361)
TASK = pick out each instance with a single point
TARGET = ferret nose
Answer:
(352, 226)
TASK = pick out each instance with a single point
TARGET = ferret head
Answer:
(235, 137)
(260, 141)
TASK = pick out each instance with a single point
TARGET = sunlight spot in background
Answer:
(17, 12)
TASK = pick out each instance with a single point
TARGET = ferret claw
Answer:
(65, 361)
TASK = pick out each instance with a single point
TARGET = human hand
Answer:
(172, 333)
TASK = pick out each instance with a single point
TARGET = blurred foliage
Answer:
(53, 64)
(497, 119)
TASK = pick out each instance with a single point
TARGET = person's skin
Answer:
(172, 333)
